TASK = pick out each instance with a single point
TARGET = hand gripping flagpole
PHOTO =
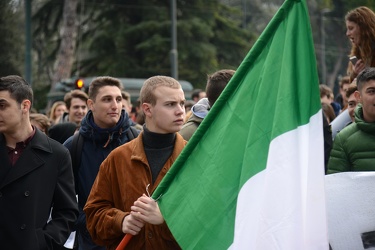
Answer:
(124, 242)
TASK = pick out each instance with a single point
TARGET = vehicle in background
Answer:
(131, 85)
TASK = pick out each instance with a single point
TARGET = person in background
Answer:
(62, 131)
(137, 166)
(40, 121)
(341, 97)
(352, 100)
(35, 177)
(215, 85)
(354, 146)
(188, 105)
(76, 104)
(57, 110)
(126, 101)
(127, 105)
(197, 94)
(136, 114)
(329, 113)
(139, 116)
(104, 128)
(360, 29)
(326, 96)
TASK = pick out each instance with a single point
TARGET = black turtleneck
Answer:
(158, 148)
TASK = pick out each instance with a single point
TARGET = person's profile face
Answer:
(11, 115)
(353, 32)
(168, 114)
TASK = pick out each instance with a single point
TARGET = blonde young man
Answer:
(130, 168)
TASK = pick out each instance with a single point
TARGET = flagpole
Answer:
(124, 242)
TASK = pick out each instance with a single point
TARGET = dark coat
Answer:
(41, 178)
(98, 143)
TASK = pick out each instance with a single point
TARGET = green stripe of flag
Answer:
(274, 90)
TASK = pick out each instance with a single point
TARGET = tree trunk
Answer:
(68, 32)
(332, 76)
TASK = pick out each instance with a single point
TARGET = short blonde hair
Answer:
(147, 90)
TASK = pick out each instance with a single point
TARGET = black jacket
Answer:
(42, 178)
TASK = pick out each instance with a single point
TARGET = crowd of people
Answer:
(355, 102)
(85, 166)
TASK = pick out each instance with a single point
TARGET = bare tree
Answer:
(68, 33)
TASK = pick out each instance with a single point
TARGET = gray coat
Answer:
(41, 178)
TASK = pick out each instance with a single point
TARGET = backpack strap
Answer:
(132, 133)
(77, 145)
(76, 154)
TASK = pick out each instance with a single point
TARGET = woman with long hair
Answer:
(360, 29)
(57, 110)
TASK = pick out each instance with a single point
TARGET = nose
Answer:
(180, 109)
(347, 32)
(115, 104)
(81, 109)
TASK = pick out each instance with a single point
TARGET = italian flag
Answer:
(252, 176)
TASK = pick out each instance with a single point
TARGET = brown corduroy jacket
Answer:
(122, 179)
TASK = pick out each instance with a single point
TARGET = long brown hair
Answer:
(365, 19)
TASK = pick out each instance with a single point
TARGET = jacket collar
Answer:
(116, 134)
(362, 125)
(29, 160)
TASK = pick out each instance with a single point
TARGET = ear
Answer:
(146, 108)
(25, 106)
(90, 104)
(357, 95)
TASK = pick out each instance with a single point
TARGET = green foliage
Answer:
(351, 4)
(133, 38)
(40, 102)
(11, 42)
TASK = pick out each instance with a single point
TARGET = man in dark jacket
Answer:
(354, 146)
(35, 175)
(104, 128)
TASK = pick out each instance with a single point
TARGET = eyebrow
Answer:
(106, 96)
